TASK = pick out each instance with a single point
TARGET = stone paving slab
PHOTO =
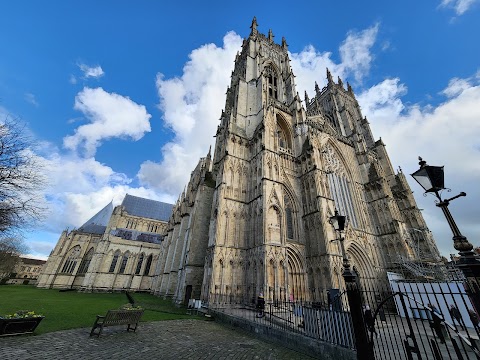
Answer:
(176, 339)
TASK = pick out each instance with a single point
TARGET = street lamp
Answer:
(338, 221)
(362, 342)
(431, 179)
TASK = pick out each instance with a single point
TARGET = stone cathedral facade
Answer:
(254, 217)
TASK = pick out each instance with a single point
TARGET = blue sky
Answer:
(125, 96)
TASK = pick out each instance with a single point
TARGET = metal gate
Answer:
(401, 327)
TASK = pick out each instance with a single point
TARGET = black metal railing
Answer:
(318, 320)
(423, 320)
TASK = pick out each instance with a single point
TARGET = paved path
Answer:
(176, 339)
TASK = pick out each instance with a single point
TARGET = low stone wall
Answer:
(297, 342)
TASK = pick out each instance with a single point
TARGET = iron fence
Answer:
(403, 319)
(330, 323)
(420, 320)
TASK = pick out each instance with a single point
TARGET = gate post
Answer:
(362, 341)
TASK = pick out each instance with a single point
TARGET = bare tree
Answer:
(10, 251)
(21, 179)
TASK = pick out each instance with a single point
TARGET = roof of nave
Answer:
(133, 205)
(147, 208)
(98, 223)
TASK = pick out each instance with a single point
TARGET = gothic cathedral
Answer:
(255, 218)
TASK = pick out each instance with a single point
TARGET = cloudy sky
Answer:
(125, 96)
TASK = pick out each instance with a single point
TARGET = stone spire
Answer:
(317, 89)
(270, 35)
(349, 88)
(254, 26)
(307, 100)
(329, 77)
(340, 82)
(284, 43)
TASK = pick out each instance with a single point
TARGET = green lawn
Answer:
(68, 310)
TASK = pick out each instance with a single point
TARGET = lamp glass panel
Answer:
(334, 222)
(435, 173)
(421, 176)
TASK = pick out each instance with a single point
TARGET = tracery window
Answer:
(83, 268)
(71, 261)
(114, 262)
(342, 196)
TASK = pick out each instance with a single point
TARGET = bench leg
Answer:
(95, 327)
(130, 327)
(100, 327)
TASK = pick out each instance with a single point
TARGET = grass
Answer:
(69, 310)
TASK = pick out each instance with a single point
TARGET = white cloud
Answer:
(91, 71)
(355, 52)
(191, 105)
(310, 66)
(456, 86)
(30, 98)
(110, 115)
(460, 6)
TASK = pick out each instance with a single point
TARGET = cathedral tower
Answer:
(280, 170)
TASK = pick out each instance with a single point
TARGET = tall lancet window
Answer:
(114, 261)
(272, 82)
(283, 139)
(289, 217)
(83, 268)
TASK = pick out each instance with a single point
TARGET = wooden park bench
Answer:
(117, 317)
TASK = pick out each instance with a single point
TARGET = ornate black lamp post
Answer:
(362, 342)
(339, 221)
(431, 179)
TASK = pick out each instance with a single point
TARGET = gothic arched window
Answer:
(123, 265)
(114, 261)
(283, 137)
(272, 81)
(83, 268)
(342, 196)
(148, 265)
(139, 265)
(71, 261)
(289, 217)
